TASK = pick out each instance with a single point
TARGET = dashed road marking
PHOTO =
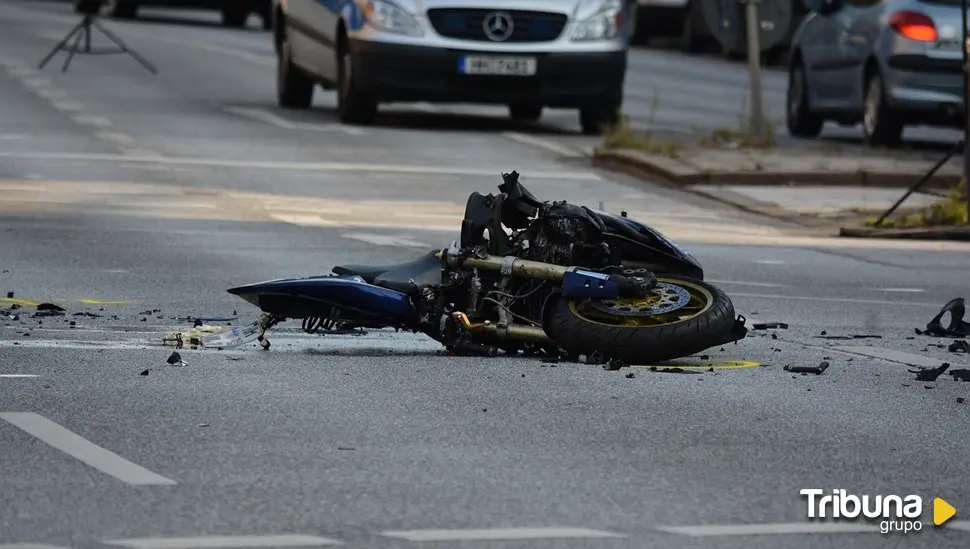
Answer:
(29, 546)
(223, 542)
(386, 240)
(37, 83)
(83, 450)
(53, 94)
(68, 106)
(903, 290)
(266, 117)
(22, 71)
(770, 262)
(116, 137)
(16, 376)
(545, 144)
(88, 120)
(498, 534)
(776, 528)
(891, 355)
(726, 365)
(306, 166)
(781, 297)
(962, 525)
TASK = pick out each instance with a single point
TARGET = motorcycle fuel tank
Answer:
(314, 297)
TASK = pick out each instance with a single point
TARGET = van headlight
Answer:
(605, 24)
(388, 17)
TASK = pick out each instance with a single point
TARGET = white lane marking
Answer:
(836, 300)
(301, 166)
(266, 117)
(116, 137)
(83, 450)
(303, 220)
(386, 240)
(30, 546)
(68, 106)
(892, 355)
(96, 121)
(425, 107)
(11, 137)
(902, 290)
(770, 262)
(498, 534)
(776, 528)
(742, 283)
(545, 144)
(37, 83)
(16, 376)
(963, 525)
(22, 71)
(52, 94)
(223, 542)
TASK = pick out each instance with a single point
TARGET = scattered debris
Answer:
(959, 346)
(144, 373)
(832, 337)
(960, 400)
(817, 370)
(89, 315)
(552, 360)
(857, 336)
(769, 326)
(613, 365)
(175, 359)
(349, 449)
(49, 309)
(930, 374)
(630, 375)
(9, 295)
(203, 425)
(960, 375)
(956, 308)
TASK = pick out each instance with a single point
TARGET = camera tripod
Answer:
(82, 31)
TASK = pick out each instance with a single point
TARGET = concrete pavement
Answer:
(140, 199)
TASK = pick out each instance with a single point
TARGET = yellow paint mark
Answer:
(23, 302)
(726, 365)
(101, 302)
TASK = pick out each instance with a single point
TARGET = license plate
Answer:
(502, 66)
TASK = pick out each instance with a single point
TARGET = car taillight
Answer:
(913, 25)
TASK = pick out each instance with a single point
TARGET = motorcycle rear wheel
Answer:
(682, 316)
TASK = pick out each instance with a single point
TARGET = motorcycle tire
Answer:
(641, 339)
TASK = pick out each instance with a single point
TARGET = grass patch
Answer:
(948, 211)
(622, 136)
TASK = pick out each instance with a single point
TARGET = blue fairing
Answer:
(314, 296)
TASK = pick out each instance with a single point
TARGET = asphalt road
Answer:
(139, 199)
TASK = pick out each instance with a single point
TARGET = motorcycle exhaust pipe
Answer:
(508, 266)
(513, 332)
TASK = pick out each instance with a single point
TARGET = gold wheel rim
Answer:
(700, 301)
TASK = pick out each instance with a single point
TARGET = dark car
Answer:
(235, 13)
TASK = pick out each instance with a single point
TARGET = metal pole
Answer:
(753, 32)
(966, 105)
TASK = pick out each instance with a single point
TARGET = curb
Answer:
(640, 164)
(960, 234)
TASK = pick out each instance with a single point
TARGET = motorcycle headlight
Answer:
(386, 16)
(605, 24)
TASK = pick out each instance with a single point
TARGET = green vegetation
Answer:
(948, 211)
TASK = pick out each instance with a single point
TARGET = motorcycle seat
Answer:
(423, 271)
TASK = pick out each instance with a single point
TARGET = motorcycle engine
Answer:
(565, 234)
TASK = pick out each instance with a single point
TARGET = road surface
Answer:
(134, 201)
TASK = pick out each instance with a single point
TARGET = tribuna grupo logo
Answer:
(895, 513)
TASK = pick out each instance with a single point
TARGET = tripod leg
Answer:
(124, 47)
(61, 45)
(73, 51)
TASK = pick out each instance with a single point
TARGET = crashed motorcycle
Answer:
(548, 278)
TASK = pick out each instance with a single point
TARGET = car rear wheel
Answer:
(235, 16)
(294, 89)
(353, 105)
(121, 9)
(598, 119)
(800, 119)
(525, 113)
(881, 125)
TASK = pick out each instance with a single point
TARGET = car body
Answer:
(527, 54)
(234, 12)
(885, 63)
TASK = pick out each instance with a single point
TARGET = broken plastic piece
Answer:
(959, 346)
(960, 375)
(769, 326)
(232, 337)
(817, 370)
(930, 374)
(175, 359)
(957, 328)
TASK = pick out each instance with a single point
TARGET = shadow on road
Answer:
(455, 122)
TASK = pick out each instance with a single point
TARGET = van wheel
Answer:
(597, 120)
(121, 9)
(353, 106)
(235, 17)
(294, 89)
(525, 113)
(799, 118)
